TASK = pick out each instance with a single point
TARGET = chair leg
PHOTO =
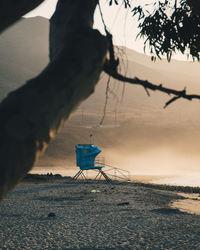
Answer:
(105, 176)
(77, 175)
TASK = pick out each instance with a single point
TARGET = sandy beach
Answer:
(63, 215)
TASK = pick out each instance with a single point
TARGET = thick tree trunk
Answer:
(32, 115)
(13, 10)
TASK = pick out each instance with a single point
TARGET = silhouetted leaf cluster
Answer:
(169, 26)
(125, 2)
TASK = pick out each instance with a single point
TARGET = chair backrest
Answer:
(85, 156)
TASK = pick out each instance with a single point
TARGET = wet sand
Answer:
(191, 203)
(95, 216)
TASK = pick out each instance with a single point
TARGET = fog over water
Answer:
(155, 146)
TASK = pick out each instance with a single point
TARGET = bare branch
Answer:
(11, 11)
(150, 86)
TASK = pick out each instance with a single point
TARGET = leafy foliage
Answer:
(169, 26)
(125, 2)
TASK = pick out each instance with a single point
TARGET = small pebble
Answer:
(51, 215)
(123, 204)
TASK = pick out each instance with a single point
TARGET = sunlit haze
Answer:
(152, 141)
(118, 20)
(88, 161)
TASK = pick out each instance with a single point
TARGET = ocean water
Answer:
(184, 179)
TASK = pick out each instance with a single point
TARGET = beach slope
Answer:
(66, 215)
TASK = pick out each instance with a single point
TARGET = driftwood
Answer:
(32, 115)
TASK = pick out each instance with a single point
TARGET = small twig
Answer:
(114, 95)
(147, 91)
(102, 19)
(171, 100)
(123, 93)
(175, 5)
(106, 101)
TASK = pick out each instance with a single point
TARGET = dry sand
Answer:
(119, 216)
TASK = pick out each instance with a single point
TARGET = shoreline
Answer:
(55, 213)
(141, 181)
(189, 196)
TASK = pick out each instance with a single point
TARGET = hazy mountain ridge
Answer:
(164, 65)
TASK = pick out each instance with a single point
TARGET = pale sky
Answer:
(118, 20)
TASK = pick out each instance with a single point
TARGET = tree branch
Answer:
(150, 86)
(11, 11)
